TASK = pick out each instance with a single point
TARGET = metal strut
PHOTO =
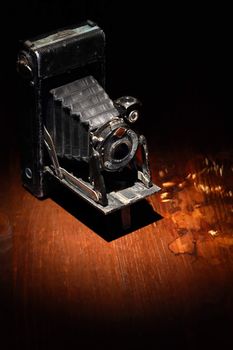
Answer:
(145, 174)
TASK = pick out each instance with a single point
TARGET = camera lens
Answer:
(121, 151)
(119, 148)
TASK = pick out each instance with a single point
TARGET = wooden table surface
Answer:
(71, 278)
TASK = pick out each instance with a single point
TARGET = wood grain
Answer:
(70, 277)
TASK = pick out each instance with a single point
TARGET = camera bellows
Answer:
(75, 110)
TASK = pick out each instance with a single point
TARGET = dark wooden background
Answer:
(71, 278)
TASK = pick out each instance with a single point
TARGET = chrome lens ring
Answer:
(118, 152)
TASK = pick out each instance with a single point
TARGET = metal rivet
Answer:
(107, 164)
(28, 173)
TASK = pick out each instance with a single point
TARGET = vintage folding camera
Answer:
(72, 131)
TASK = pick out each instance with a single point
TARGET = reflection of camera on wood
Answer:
(74, 131)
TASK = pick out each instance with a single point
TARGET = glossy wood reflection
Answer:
(71, 277)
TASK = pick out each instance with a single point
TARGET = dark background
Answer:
(176, 59)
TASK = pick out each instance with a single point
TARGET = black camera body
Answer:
(72, 131)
